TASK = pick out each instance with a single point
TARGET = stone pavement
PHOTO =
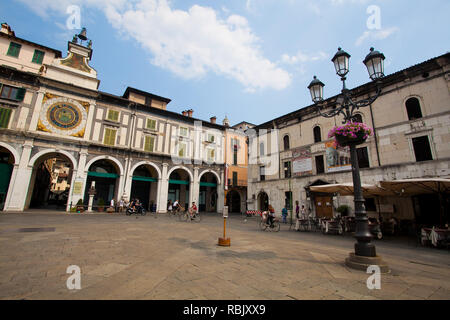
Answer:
(127, 257)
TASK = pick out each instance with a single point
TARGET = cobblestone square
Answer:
(127, 257)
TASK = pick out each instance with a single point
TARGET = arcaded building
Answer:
(54, 117)
(411, 124)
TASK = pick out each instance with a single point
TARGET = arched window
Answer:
(286, 142)
(413, 108)
(357, 118)
(317, 134)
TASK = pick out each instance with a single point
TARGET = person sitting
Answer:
(193, 210)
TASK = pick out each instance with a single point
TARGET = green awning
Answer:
(103, 175)
(208, 184)
(149, 179)
(179, 182)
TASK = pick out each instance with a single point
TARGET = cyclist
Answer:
(271, 216)
(192, 210)
(176, 206)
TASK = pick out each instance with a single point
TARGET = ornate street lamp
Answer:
(365, 253)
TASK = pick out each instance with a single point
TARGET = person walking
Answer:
(121, 205)
(297, 216)
(284, 214)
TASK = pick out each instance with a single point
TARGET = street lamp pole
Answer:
(365, 252)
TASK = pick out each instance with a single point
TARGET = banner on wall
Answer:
(302, 161)
(338, 158)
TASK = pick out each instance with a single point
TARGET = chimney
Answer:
(7, 29)
(213, 119)
(190, 111)
(184, 113)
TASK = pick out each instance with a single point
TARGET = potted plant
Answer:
(79, 207)
(101, 204)
(350, 133)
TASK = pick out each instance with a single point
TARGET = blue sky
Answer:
(248, 59)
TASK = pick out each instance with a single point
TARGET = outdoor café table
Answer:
(434, 235)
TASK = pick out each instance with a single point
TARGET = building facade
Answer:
(127, 146)
(411, 122)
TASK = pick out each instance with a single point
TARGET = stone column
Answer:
(21, 181)
(221, 193)
(194, 188)
(80, 177)
(163, 189)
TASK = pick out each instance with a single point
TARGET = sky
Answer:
(249, 60)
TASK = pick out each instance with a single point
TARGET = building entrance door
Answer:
(324, 207)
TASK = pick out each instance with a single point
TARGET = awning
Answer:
(417, 186)
(346, 189)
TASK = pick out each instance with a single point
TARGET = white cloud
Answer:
(188, 43)
(302, 57)
(376, 35)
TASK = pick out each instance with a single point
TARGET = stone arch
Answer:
(191, 177)
(117, 162)
(32, 161)
(210, 171)
(140, 163)
(12, 150)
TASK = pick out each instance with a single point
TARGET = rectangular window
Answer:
(183, 132)
(110, 137)
(14, 49)
(422, 148)
(320, 168)
(235, 155)
(210, 137)
(235, 178)
(5, 114)
(262, 176)
(38, 56)
(261, 149)
(151, 124)
(287, 169)
(149, 143)
(182, 150)
(113, 115)
(363, 157)
(12, 93)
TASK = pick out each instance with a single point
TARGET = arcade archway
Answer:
(179, 187)
(207, 199)
(6, 167)
(50, 181)
(263, 201)
(234, 201)
(145, 186)
(104, 174)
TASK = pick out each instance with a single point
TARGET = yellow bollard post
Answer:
(224, 242)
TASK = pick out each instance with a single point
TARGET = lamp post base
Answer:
(362, 263)
(224, 242)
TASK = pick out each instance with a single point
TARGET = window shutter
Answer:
(110, 137)
(149, 143)
(38, 56)
(113, 115)
(20, 94)
(4, 117)
(151, 124)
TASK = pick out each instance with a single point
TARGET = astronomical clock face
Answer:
(63, 116)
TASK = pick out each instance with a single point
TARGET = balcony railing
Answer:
(237, 183)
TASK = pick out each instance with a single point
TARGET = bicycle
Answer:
(264, 226)
(186, 216)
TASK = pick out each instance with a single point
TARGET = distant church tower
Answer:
(226, 122)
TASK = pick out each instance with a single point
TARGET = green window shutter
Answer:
(110, 137)
(4, 117)
(38, 56)
(113, 115)
(151, 124)
(149, 143)
(20, 94)
(181, 151)
(14, 49)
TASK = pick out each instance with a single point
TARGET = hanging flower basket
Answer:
(351, 133)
